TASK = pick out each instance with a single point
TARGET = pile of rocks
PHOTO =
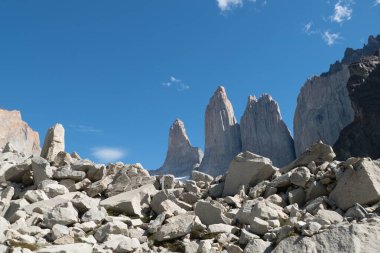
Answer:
(62, 203)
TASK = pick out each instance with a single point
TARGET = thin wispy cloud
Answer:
(342, 12)
(377, 2)
(85, 129)
(331, 38)
(108, 154)
(175, 83)
(309, 28)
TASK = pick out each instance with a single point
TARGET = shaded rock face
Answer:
(362, 137)
(263, 131)
(222, 134)
(18, 133)
(323, 105)
(54, 142)
(181, 158)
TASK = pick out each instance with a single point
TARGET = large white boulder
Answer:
(247, 169)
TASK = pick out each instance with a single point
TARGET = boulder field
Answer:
(61, 203)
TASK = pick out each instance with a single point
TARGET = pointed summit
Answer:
(222, 134)
(181, 158)
(263, 131)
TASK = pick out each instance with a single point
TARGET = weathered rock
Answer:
(17, 132)
(259, 226)
(263, 131)
(323, 106)
(181, 157)
(68, 248)
(300, 176)
(317, 153)
(129, 202)
(64, 214)
(360, 184)
(67, 173)
(222, 136)
(54, 142)
(178, 226)
(115, 227)
(258, 246)
(211, 213)
(41, 170)
(361, 138)
(343, 238)
(247, 169)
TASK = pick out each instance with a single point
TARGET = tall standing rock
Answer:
(362, 137)
(323, 106)
(54, 142)
(18, 133)
(181, 158)
(222, 134)
(263, 131)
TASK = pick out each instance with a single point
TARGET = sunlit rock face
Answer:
(18, 133)
(222, 134)
(263, 131)
(181, 158)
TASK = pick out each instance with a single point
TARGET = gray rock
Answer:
(63, 214)
(222, 137)
(198, 176)
(67, 173)
(211, 213)
(181, 157)
(115, 227)
(300, 176)
(129, 245)
(95, 214)
(360, 184)
(68, 248)
(318, 153)
(129, 202)
(259, 226)
(247, 169)
(342, 238)
(54, 142)
(258, 246)
(41, 170)
(177, 226)
(263, 131)
(35, 195)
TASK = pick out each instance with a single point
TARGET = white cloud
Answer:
(225, 5)
(177, 83)
(342, 12)
(108, 154)
(330, 38)
(377, 2)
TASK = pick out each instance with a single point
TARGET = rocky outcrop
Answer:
(54, 142)
(17, 132)
(323, 105)
(361, 138)
(263, 131)
(222, 134)
(181, 157)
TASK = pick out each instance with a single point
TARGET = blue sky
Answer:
(117, 73)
